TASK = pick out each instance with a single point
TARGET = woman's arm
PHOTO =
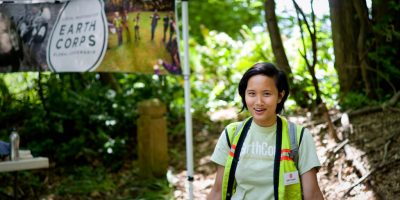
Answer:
(310, 186)
(217, 187)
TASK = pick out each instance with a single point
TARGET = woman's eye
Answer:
(267, 94)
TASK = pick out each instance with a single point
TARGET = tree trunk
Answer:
(366, 46)
(344, 35)
(279, 52)
(275, 36)
(362, 13)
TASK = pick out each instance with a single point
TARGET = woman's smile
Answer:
(259, 111)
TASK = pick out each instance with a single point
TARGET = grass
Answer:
(136, 56)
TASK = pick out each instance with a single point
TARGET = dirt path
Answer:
(363, 166)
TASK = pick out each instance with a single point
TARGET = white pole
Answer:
(188, 114)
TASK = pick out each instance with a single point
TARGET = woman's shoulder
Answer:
(234, 125)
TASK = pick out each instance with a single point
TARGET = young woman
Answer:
(256, 159)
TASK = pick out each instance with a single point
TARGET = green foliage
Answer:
(85, 181)
(80, 123)
(29, 182)
(98, 183)
(387, 72)
(383, 53)
(354, 101)
(79, 120)
(154, 189)
(213, 15)
(76, 117)
(219, 65)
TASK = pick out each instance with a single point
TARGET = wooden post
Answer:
(152, 138)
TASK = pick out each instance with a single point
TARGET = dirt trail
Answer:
(365, 165)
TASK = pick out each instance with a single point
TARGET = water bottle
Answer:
(14, 140)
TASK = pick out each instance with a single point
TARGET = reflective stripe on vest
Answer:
(283, 161)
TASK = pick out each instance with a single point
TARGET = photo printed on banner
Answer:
(24, 32)
(142, 37)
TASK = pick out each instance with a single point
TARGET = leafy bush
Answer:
(355, 101)
(80, 118)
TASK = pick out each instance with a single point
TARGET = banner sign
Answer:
(79, 38)
(89, 35)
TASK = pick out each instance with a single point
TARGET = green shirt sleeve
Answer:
(308, 158)
(221, 150)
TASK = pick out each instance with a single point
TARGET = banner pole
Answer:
(188, 114)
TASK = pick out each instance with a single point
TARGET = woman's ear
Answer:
(281, 95)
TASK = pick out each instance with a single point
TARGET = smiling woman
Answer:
(263, 93)
(270, 158)
(261, 99)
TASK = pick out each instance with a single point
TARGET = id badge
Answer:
(291, 178)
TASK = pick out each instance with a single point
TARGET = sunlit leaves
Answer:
(223, 16)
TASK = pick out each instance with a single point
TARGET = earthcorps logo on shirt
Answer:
(258, 149)
(78, 41)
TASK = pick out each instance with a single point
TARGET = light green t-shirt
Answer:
(254, 172)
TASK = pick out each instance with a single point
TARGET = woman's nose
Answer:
(259, 100)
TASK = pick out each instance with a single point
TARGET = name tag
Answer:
(291, 178)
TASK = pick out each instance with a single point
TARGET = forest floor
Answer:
(363, 165)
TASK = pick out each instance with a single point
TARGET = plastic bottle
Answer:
(14, 141)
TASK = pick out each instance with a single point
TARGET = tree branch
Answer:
(311, 67)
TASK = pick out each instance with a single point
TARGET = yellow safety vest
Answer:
(288, 138)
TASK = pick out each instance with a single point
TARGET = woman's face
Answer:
(261, 98)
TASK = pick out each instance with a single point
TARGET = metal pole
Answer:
(188, 114)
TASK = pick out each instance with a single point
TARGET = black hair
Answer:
(267, 69)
